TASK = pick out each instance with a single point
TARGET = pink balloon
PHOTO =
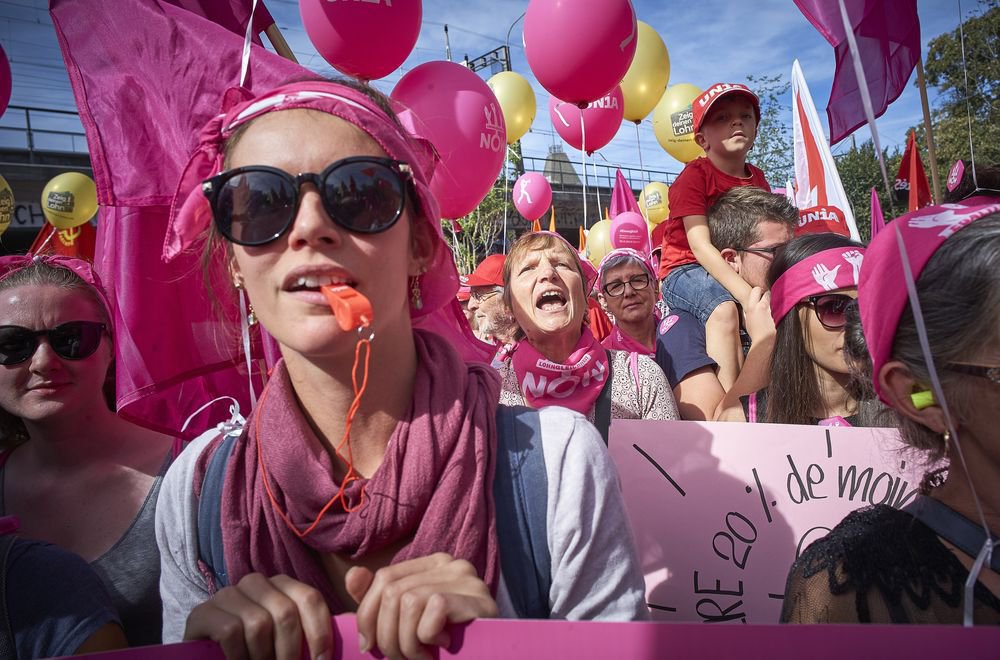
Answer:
(5, 81)
(601, 120)
(579, 49)
(629, 230)
(455, 109)
(367, 40)
(532, 195)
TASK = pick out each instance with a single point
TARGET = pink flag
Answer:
(230, 14)
(888, 36)
(877, 219)
(622, 197)
(147, 76)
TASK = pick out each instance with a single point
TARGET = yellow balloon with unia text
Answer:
(69, 200)
(6, 204)
(654, 202)
(598, 241)
(517, 102)
(673, 124)
(647, 77)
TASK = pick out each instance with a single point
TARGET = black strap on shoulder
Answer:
(602, 407)
(210, 550)
(520, 490)
(7, 647)
(952, 526)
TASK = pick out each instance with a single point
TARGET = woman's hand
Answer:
(264, 617)
(403, 608)
(757, 313)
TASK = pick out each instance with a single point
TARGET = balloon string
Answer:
(48, 239)
(642, 174)
(597, 186)
(506, 202)
(583, 164)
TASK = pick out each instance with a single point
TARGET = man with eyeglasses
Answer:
(490, 320)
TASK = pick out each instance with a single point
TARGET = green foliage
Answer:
(482, 230)
(943, 70)
(772, 150)
(860, 172)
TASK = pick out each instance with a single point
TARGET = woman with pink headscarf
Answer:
(364, 479)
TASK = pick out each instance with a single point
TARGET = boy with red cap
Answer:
(695, 277)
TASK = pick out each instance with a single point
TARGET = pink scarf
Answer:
(619, 340)
(575, 384)
(434, 489)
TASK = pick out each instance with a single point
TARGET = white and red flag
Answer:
(819, 194)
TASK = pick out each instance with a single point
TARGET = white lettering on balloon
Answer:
(490, 138)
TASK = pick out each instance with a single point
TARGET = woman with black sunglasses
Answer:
(368, 476)
(73, 472)
(812, 281)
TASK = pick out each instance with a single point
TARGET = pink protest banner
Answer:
(544, 640)
(721, 510)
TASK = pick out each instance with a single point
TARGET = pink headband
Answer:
(882, 290)
(622, 252)
(829, 270)
(190, 214)
(83, 269)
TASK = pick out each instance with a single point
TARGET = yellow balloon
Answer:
(654, 200)
(517, 102)
(69, 200)
(647, 77)
(598, 241)
(673, 125)
(6, 204)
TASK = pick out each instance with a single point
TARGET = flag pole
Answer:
(928, 129)
(281, 46)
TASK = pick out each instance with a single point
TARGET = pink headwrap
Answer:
(83, 269)
(829, 270)
(882, 293)
(620, 252)
(190, 214)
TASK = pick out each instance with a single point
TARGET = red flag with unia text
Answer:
(911, 181)
(888, 38)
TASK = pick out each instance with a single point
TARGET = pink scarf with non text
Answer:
(575, 383)
(432, 493)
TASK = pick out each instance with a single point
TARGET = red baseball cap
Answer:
(701, 105)
(489, 272)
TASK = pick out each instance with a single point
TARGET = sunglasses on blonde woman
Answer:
(76, 340)
(254, 205)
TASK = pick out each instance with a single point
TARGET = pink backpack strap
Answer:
(752, 408)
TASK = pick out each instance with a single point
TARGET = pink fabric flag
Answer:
(877, 219)
(147, 75)
(622, 198)
(888, 36)
(230, 14)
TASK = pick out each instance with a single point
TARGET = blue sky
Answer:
(709, 41)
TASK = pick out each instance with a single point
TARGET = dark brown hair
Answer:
(734, 220)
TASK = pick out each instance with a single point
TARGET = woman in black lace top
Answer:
(882, 565)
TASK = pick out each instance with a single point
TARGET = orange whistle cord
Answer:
(355, 307)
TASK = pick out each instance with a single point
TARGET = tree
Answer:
(945, 72)
(860, 172)
(772, 150)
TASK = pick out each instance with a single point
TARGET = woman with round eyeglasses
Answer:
(73, 472)
(812, 281)
(557, 360)
(366, 477)
(936, 365)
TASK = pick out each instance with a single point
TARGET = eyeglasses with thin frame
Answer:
(830, 309)
(637, 282)
(480, 297)
(989, 373)
(769, 251)
(74, 340)
(254, 205)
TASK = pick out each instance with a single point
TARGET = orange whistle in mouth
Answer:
(351, 309)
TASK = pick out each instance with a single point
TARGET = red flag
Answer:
(76, 242)
(888, 37)
(582, 243)
(230, 14)
(536, 226)
(911, 170)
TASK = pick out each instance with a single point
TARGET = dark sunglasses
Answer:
(254, 205)
(830, 308)
(990, 373)
(75, 340)
(637, 282)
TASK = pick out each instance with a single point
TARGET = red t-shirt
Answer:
(693, 193)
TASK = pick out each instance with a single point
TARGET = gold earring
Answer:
(947, 441)
(416, 300)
